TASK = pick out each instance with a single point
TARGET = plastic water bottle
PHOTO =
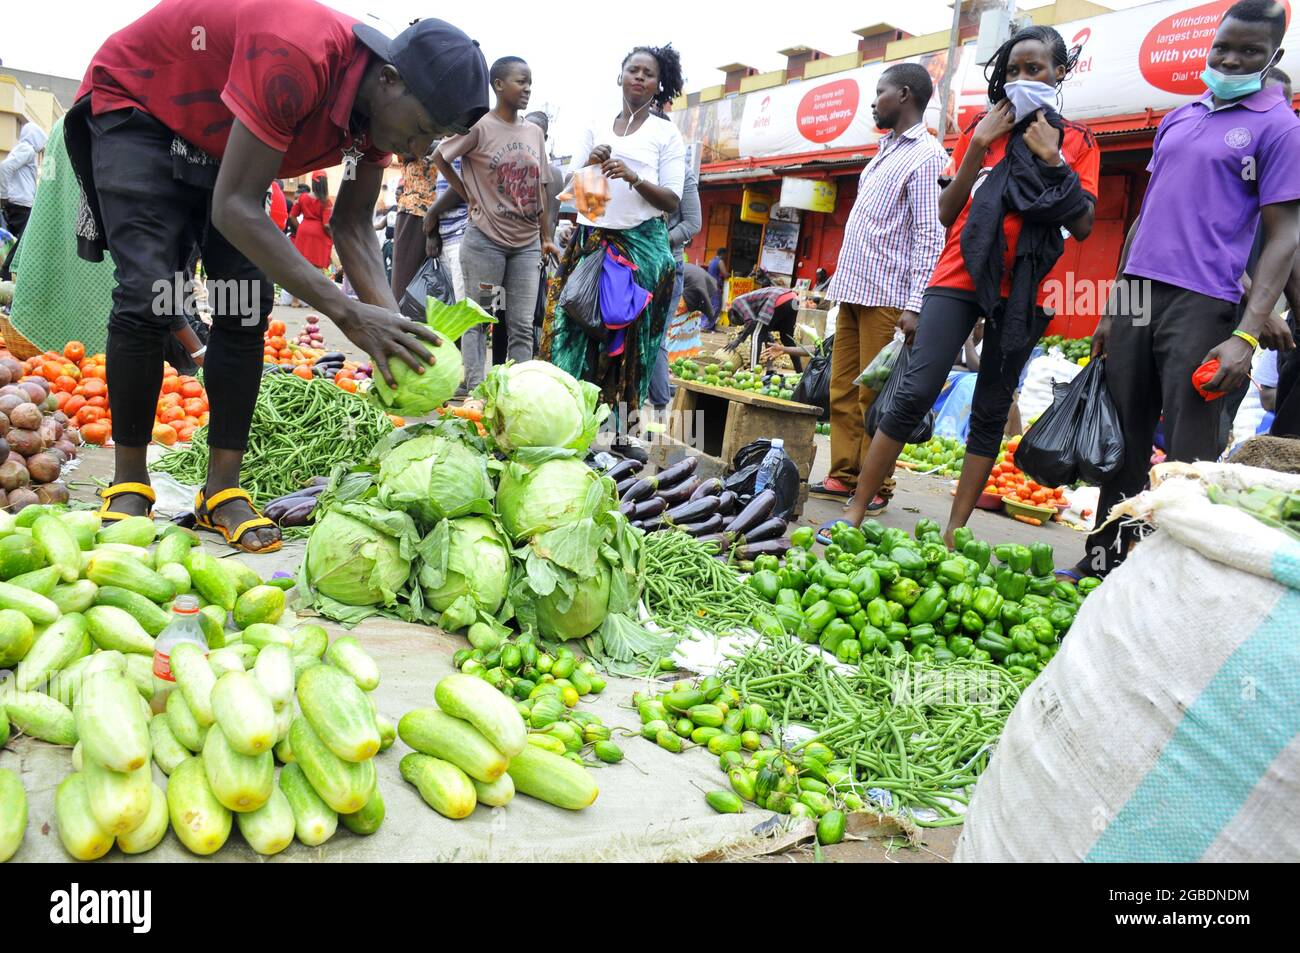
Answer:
(771, 463)
(184, 627)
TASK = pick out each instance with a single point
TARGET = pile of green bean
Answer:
(920, 731)
(685, 586)
(301, 429)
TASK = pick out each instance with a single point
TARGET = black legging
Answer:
(16, 217)
(945, 324)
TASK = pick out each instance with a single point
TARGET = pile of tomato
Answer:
(80, 385)
(276, 349)
(1010, 482)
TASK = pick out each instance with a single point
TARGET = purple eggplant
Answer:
(692, 511)
(710, 487)
(727, 502)
(770, 547)
(624, 469)
(627, 508)
(768, 529)
(677, 472)
(625, 485)
(721, 540)
(299, 514)
(754, 513)
(680, 493)
(703, 528)
(641, 490)
(650, 508)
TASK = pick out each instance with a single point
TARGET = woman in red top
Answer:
(1019, 157)
(313, 213)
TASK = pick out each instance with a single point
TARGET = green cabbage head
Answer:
(418, 394)
(360, 555)
(532, 500)
(433, 477)
(535, 404)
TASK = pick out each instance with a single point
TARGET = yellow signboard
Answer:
(756, 207)
(812, 195)
(824, 194)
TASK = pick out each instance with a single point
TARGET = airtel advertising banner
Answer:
(1131, 60)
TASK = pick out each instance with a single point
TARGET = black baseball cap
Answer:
(440, 64)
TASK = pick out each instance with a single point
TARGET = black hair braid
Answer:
(995, 71)
(671, 80)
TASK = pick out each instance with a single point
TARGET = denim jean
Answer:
(487, 265)
(660, 391)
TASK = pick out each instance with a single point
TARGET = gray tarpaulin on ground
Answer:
(651, 806)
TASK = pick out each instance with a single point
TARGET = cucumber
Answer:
(126, 572)
(65, 684)
(270, 828)
(283, 722)
(167, 751)
(212, 620)
(345, 786)
(194, 678)
(138, 553)
(225, 660)
(436, 733)
(475, 701)
(552, 778)
(40, 581)
(608, 752)
(77, 597)
(210, 579)
(314, 821)
(133, 531)
(13, 811)
(150, 617)
(77, 763)
(284, 751)
(114, 628)
(830, 829)
(42, 717)
(181, 720)
(340, 714)
(303, 662)
(83, 525)
(58, 646)
(445, 788)
(247, 653)
(244, 576)
(274, 670)
(119, 800)
(259, 604)
(139, 672)
(497, 793)
(62, 551)
(238, 781)
(4, 724)
(682, 701)
(110, 724)
(387, 732)
(262, 634)
(81, 835)
(725, 802)
(310, 640)
(200, 821)
(178, 576)
(19, 554)
(151, 830)
(173, 549)
(35, 606)
(16, 637)
(367, 820)
(548, 742)
(348, 655)
(243, 710)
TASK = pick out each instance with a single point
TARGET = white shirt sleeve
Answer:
(1266, 369)
(672, 160)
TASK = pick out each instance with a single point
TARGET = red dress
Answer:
(310, 238)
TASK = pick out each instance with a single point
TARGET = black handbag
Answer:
(431, 281)
(580, 297)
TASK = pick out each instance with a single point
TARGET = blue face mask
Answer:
(1235, 86)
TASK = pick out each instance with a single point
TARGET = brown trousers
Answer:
(860, 333)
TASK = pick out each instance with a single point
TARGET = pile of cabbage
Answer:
(444, 526)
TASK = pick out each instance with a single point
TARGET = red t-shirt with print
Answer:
(1079, 147)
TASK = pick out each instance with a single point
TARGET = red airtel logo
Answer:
(1174, 51)
(826, 112)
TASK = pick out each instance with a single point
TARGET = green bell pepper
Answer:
(1022, 638)
(848, 538)
(896, 610)
(890, 538)
(1011, 614)
(926, 527)
(923, 635)
(836, 631)
(995, 627)
(1021, 660)
(905, 591)
(1087, 584)
(960, 537)
(799, 560)
(865, 582)
(987, 602)
(849, 651)
(927, 579)
(858, 620)
(1018, 558)
(961, 595)
(787, 597)
(979, 655)
(983, 579)
(1042, 586)
(1042, 562)
(897, 650)
(972, 622)
(878, 613)
(863, 558)
(832, 552)
(1067, 593)
(844, 601)
(978, 551)
(805, 633)
(766, 562)
(896, 631)
(1022, 674)
(922, 652)
(1011, 584)
(1061, 618)
(814, 593)
(873, 639)
(910, 562)
(1042, 630)
(1037, 605)
(1045, 652)
(769, 625)
(950, 623)
(834, 579)
(845, 564)
(872, 532)
(803, 537)
(929, 606)
(886, 569)
(789, 617)
(933, 554)
(950, 572)
(766, 584)
(818, 615)
(943, 656)
(961, 646)
(996, 645)
(791, 578)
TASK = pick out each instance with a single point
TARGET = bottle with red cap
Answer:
(184, 627)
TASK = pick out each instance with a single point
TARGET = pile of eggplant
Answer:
(295, 509)
(675, 498)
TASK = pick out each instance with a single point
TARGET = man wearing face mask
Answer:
(1220, 166)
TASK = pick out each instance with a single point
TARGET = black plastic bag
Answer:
(815, 384)
(1078, 437)
(924, 430)
(429, 282)
(786, 484)
(580, 297)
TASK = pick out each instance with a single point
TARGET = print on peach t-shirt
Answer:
(504, 167)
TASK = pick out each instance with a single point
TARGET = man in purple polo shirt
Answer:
(1219, 166)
